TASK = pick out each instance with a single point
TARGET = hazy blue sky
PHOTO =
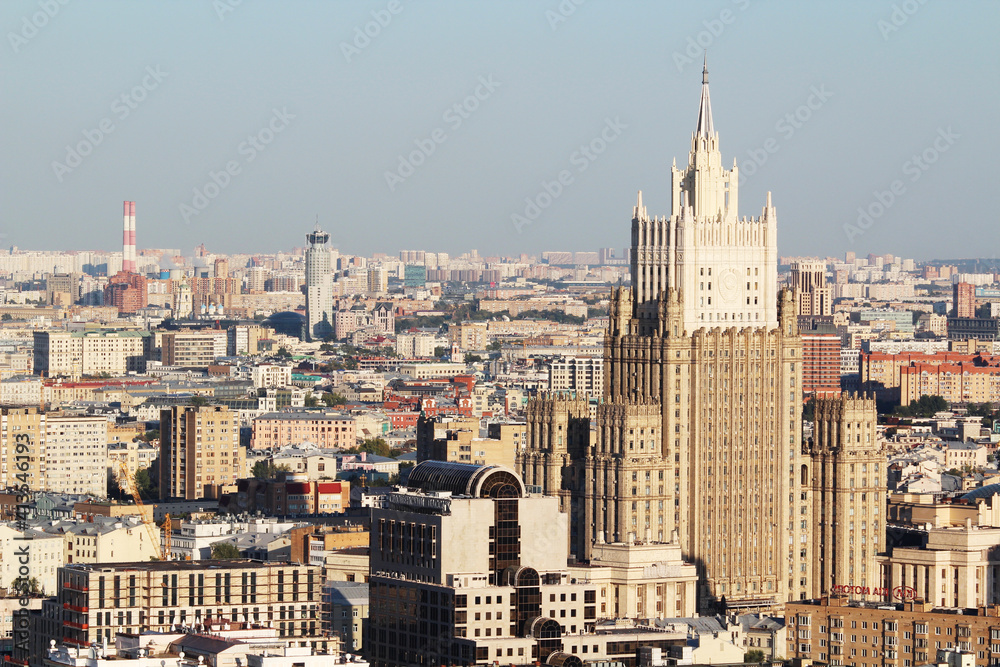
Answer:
(199, 79)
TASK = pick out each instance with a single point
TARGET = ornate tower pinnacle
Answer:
(705, 128)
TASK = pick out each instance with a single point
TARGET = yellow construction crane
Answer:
(166, 537)
(125, 475)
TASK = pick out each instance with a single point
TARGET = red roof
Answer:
(328, 487)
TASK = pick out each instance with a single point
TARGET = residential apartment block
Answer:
(51, 451)
(326, 430)
(584, 375)
(78, 353)
(97, 601)
(197, 349)
(891, 633)
(200, 451)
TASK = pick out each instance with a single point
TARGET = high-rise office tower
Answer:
(808, 279)
(698, 437)
(319, 286)
(964, 300)
(128, 237)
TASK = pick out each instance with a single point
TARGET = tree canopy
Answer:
(267, 469)
(925, 406)
(225, 551)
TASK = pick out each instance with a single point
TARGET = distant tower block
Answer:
(128, 237)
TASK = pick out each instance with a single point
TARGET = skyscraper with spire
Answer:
(698, 435)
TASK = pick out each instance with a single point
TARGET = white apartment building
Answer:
(64, 353)
(468, 548)
(21, 391)
(580, 374)
(121, 539)
(76, 454)
(135, 455)
(44, 552)
(271, 375)
(418, 346)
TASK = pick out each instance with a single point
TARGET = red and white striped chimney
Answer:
(128, 238)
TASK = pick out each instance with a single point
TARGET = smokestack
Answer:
(128, 238)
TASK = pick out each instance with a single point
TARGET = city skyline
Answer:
(829, 131)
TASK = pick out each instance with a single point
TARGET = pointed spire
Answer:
(640, 211)
(705, 128)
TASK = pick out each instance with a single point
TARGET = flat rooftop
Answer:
(176, 565)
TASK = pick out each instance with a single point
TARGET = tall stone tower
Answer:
(698, 438)
(848, 481)
(559, 433)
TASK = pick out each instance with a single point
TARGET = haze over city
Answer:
(823, 104)
(576, 333)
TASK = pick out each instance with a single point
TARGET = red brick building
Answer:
(820, 358)
(964, 300)
(126, 292)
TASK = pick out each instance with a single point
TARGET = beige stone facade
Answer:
(698, 437)
(200, 451)
(847, 479)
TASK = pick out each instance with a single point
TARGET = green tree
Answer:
(26, 586)
(376, 446)
(311, 401)
(809, 409)
(225, 551)
(151, 435)
(440, 351)
(472, 358)
(333, 399)
(144, 482)
(198, 401)
(267, 469)
(980, 409)
(6, 317)
(925, 406)
(494, 346)
(283, 352)
(754, 655)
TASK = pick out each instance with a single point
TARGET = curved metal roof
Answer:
(982, 492)
(466, 479)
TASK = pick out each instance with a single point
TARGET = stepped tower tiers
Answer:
(724, 267)
(698, 434)
(704, 331)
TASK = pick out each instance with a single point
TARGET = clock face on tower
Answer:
(729, 285)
